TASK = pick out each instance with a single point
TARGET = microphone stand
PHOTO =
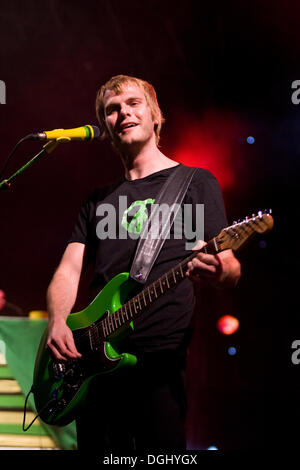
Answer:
(47, 148)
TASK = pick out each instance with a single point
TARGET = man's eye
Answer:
(110, 110)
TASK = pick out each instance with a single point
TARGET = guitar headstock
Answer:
(240, 232)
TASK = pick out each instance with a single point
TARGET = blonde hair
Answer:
(116, 84)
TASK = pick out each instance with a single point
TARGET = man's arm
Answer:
(221, 270)
(61, 296)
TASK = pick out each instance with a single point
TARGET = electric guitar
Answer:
(60, 387)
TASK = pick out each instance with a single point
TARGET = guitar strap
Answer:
(154, 232)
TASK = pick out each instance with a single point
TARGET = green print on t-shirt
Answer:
(139, 218)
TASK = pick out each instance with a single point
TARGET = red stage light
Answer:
(228, 324)
(209, 142)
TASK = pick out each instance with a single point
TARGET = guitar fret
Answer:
(108, 323)
(93, 337)
(126, 313)
(134, 305)
(111, 319)
(155, 290)
(149, 295)
(167, 281)
(111, 322)
(90, 339)
(145, 303)
(161, 289)
(96, 336)
(122, 312)
(182, 275)
(104, 328)
(175, 280)
(138, 297)
(130, 309)
(117, 317)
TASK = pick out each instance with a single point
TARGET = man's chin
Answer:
(126, 144)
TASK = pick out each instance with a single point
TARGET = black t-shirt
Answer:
(120, 210)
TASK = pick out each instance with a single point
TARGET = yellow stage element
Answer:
(20, 440)
(34, 314)
(9, 386)
(2, 360)
(16, 417)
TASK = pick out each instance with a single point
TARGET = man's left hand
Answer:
(222, 269)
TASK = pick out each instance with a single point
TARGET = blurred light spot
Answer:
(228, 324)
(250, 139)
(231, 351)
(212, 448)
(262, 244)
(207, 143)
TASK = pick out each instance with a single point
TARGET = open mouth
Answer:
(128, 126)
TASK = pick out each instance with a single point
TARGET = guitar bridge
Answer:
(58, 370)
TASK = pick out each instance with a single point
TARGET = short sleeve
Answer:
(205, 189)
(82, 229)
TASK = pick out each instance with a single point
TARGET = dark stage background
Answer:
(223, 71)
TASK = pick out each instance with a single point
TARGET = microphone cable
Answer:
(27, 137)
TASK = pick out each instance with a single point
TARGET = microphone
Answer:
(86, 132)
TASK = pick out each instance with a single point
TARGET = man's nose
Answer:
(125, 109)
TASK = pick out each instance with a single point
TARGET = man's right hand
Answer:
(61, 341)
(61, 296)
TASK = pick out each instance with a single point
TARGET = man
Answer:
(143, 407)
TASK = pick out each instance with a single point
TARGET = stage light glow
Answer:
(212, 448)
(262, 244)
(250, 139)
(228, 324)
(232, 351)
(208, 143)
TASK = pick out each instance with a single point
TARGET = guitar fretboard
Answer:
(132, 309)
(233, 237)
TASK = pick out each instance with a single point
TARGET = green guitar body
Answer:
(59, 389)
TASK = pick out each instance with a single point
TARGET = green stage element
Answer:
(9, 428)
(22, 337)
(5, 372)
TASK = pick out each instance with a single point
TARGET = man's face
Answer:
(128, 117)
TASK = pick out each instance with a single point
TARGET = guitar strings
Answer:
(209, 248)
(169, 277)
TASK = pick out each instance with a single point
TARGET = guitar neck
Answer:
(233, 237)
(132, 309)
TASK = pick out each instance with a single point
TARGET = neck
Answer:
(145, 161)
